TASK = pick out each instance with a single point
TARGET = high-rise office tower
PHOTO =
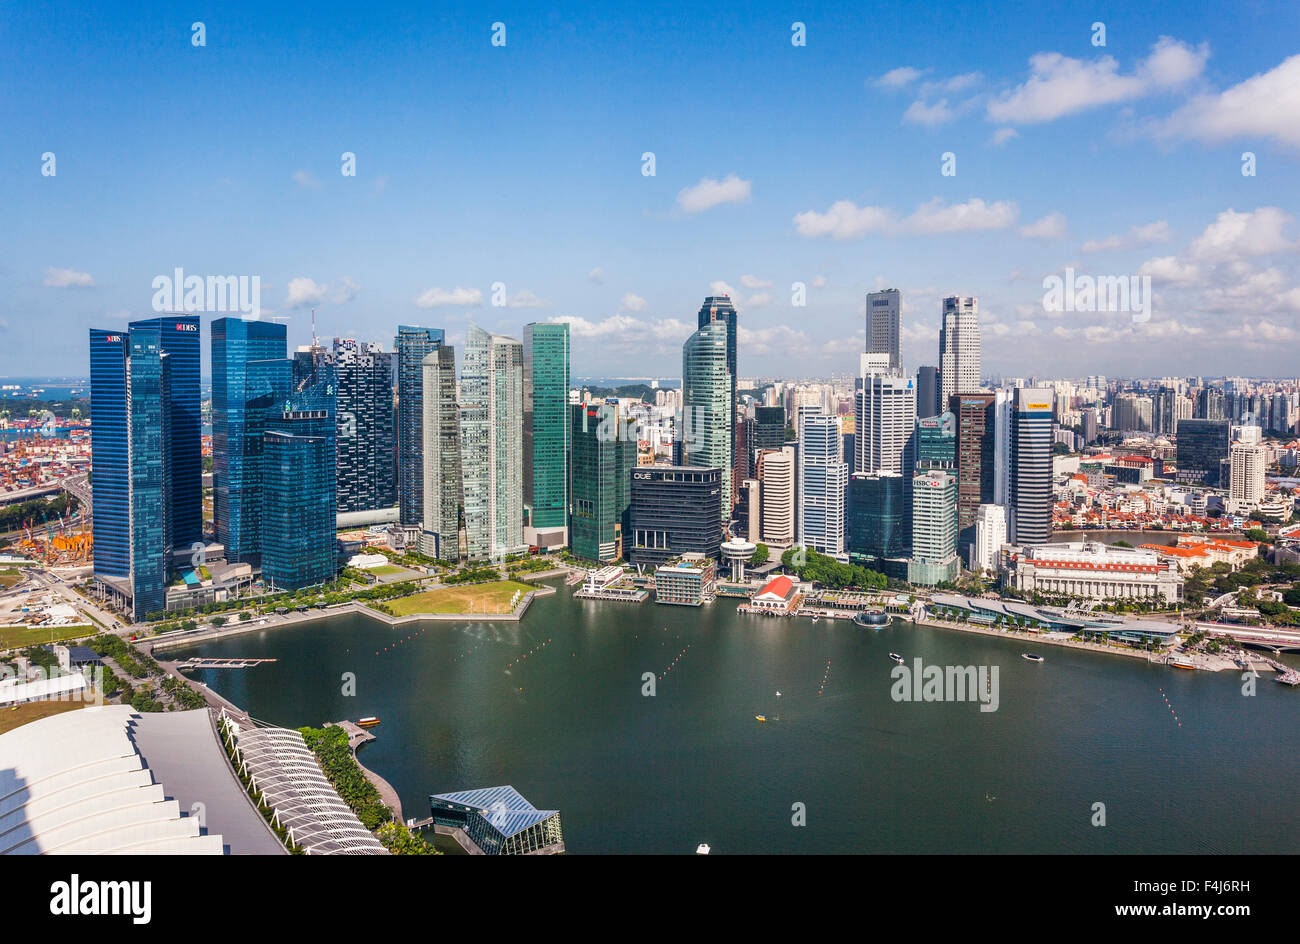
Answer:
(1131, 412)
(879, 524)
(976, 415)
(675, 510)
(990, 535)
(765, 429)
(367, 471)
(959, 347)
(823, 480)
(546, 432)
(775, 469)
(1202, 447)
(1165, 411)
(927, 391)
(440, 427)
(719, 308)
(1031, 466)
(144, 436)
(1090, 421)
(250, 373)
(936, 442)
(1209, 404)
(707, 398)
(883, 319)
(884, 423)
(1247, 464)
(752, 490)
(604, 455)
(934, 528)
(298, 489)
(410, 348)
(491, 443)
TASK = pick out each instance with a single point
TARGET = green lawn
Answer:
(476, 598)
(12, 637)
(20, 715)
(389, 570)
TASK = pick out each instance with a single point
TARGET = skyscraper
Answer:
(410, 347)
(1202, 447)
(959, 347)
(675, 510)
(546, 432)
(719, 308)
(250, 372)
(144, 437)
(707, 397)
(298, 489)
(936, 442)
(880, 527)
(775, 470)
(764, 430)
(934, 528)
(492, 433)
(990, 535)
(823, 481)
(367, 462)
(884, 423)
(1031, 466)
(927, 391)
(883, 319)
(440, 428)
(604, 455)
(976, 415)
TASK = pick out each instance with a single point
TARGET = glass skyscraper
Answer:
(145, 445)
(604, 455)
(298, 489)
(440, 530)
(880, 525)
(410, 348)
(707, 427)
(719, 308)
(250, 372)
(1202, 447)
(1031, 466)
(363, 376)
(546, 427)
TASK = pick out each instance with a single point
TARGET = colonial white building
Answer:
(1095, 571)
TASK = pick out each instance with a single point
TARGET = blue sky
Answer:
(522, 165)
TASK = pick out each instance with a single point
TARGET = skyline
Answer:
(1125, 161)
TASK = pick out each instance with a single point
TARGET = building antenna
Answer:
(313, 330)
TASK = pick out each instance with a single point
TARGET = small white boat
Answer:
(702, 849)
(1031, 656)
(896, 657)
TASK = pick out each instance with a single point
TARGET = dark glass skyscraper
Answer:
(546, 425)
(720, 308)
(145, 445)
(766, 430)
(410, 348)
(976, 459)
(675, 510)
(366, 448)
(880, 523)
(298, 489)
(1031, 466)
(250, 372)
(604, 455)
(1202, 447)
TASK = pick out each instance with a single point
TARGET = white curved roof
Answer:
(74, 783)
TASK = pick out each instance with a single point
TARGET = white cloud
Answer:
(346, 290)
(67, 278)
(1169, 269)
(633, 302)
(1059, 85)
(846, 220)
(722, 288)
(709, 193)
(439, 298)
(303, 291)
(1236, 235)
(753, 281)
(1051, 226)
(897, 78)
(1157, 232)
(759, 300)
(525, 299)
(919, 113)
(958, 83)
(627, 332)
(1265, 105)
(305, 180)
(1002, 136)
(597, 275)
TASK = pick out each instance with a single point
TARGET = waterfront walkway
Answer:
(357, 736)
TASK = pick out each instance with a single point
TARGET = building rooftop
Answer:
(503, 807)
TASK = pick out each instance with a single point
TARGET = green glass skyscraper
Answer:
(708, 423)
(546, 432)
(604, 454)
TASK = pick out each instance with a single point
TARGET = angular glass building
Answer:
(440, 531)
(367, 461)
(491, 442)
(708, 396)
(250, 371)
(411, 346)
(499, 821)
(546, 430)
(719, 308)
(604, 455)
(1202, 447)
(145, 448)
(976, 460)
(880, 527)
(299, 507)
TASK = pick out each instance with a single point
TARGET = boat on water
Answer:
(368, 722)
(1180, 663)
(1031, 656)
(760, 717)
(816, 617)
(703, 849)
(896, 657)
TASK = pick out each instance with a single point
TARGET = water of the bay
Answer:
(554, 705)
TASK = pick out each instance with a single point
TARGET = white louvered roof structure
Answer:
(75, 783)
(281, 765)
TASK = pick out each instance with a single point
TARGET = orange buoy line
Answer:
(676, 659)
(825, 678)
(531, 652)
(402, 641)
